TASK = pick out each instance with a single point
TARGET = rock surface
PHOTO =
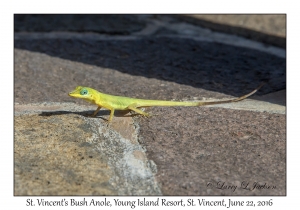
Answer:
(177, 151)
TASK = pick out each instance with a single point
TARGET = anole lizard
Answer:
(113, 103)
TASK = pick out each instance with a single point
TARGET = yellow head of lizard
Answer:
(85, 93)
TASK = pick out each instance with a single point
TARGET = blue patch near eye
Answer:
(83, 92)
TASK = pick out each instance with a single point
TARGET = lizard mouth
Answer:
(71, 94)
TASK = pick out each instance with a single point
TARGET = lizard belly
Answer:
(117, 105)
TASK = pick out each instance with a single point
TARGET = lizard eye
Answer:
(83, 92)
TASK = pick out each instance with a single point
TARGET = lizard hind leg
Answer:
(133, 107)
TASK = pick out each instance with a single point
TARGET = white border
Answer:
(8, 8)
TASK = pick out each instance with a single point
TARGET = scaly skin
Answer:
(113, 103)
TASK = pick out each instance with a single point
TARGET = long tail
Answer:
(148, 103)
(203, 103)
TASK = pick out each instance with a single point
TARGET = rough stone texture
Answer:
(153, 57)
(274, 24)
(108, 24)
(58, 152)
(53, 158)
(270, 28)
(211, 145)
(121, 68)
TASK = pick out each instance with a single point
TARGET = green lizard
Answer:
(113, 103)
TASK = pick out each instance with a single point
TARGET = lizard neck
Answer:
(97, 97)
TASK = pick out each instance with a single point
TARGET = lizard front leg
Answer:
(112, 111)
(97, 110)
